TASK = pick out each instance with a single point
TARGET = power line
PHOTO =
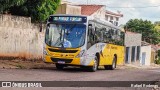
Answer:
(135, 7)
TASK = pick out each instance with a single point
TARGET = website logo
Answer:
(6, 84)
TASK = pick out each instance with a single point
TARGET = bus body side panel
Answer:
(118, 52)
(106, 58)
(91, 53)
(120, 59)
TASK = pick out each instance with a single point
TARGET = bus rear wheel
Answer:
(59, 66)
(113, 66)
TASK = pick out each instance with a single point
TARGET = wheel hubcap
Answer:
(95, 65)
(114, 64)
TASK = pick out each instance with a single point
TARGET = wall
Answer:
(153, 56)
(132, 39)
(100, 13)
(132, 42)
(20, 38)
(147, 50)
(76, 10)
(68, 9)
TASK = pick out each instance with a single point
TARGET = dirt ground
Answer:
(39, 64)
(23, 64)
(32, 64)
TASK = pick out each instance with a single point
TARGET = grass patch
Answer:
(158, 61)
(20, 66)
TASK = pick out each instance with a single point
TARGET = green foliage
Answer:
(157, 26)
(146, 28)
(6, 4)
(38, 10)
(157, 61)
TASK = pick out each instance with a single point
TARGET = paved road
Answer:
(76, 74)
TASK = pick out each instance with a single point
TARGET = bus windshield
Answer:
(65, 35)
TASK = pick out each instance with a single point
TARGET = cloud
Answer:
(149, 13)
(153, 1)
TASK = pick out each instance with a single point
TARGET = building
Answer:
(68, 9)
(113, 17)
(133, 47)
(99, 11)
(137, 52)
(154, 52)
(95, 11)
(146, 50)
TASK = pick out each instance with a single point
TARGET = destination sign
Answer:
(67, 19)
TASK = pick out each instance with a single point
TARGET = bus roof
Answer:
(67, 15)
(106, 23)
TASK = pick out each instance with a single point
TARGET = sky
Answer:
(131, 9)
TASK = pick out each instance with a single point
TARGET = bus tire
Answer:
(113, 66)
(59, 66)
(95, 66)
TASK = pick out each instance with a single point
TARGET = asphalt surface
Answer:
(77, 74)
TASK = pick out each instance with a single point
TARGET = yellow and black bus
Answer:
(76, 40)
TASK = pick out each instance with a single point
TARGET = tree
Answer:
(6, 4)
(38, 10)
(157, 25)
(146, 28)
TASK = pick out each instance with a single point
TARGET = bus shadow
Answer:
(66, 69)
(71, 69)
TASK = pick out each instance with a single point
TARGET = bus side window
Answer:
(98, 35)
(88, 36)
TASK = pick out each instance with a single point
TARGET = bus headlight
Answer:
(81, 53)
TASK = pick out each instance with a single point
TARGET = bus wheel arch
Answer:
(114, 62)
(98, 58)
(96, 63)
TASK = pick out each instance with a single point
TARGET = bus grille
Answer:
(62, 50)
(59, 59)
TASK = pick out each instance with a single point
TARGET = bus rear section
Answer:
(111, 56)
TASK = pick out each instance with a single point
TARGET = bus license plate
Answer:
(61, 62)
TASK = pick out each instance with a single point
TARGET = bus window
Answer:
(65, 35)
(98, 35)
(90, 36)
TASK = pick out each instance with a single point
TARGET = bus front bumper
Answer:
(67, 61)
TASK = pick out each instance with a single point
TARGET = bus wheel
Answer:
(111, 67)
(59, 66)
(95, 66)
